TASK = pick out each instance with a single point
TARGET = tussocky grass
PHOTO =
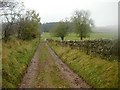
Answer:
(16, 55)
(97, 72)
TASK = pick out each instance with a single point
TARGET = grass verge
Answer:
(97, 72)
(16, 55)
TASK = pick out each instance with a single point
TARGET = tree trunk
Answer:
(81, 37)
(62, 38)
(19, 33)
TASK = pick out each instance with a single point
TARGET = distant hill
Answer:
(46, 27)
(106, 29)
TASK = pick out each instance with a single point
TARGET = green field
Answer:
(73, 36)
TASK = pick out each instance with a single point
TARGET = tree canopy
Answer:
(17, 21)
(29, 25)
(61, 30)
(82, 23)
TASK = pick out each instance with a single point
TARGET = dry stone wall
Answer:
(105, 48)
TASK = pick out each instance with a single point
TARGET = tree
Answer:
(82, 23)
(30, 25)
(61, 30)
(10, 11)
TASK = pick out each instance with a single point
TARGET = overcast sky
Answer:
(103, 12)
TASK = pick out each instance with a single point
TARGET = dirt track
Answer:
(50, 72)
